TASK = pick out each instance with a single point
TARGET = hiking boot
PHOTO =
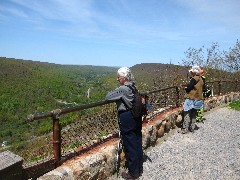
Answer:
(191, 130)
(183, 131)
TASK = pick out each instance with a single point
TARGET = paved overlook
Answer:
(211, 152)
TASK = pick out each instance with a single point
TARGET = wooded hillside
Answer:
(29, 87)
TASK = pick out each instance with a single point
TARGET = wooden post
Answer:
(178, 96)
(219, 87)
(56, 137)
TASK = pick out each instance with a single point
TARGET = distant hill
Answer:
(29, 87)
(151, 76)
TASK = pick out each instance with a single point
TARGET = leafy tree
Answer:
(214, 61)
(232, 58)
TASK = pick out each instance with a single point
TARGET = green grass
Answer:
(235, 105)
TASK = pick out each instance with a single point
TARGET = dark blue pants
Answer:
(131, 134)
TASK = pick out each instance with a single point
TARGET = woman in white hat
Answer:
(130, 127)
(193, 100)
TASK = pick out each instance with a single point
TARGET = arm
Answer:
(115, 94)
(191, 85)
(119, 95)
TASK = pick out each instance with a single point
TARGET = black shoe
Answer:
(126, 175)
(196, 128)
(183, 131)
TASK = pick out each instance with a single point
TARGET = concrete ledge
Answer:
(10, 166)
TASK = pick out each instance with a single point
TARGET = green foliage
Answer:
(235, 105)
(29, 87)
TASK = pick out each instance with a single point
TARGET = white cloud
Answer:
(221, 12)
(16, 12)
(117, 20)
(129, 21)
(71, 11)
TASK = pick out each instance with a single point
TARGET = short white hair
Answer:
(195, 69)
(126, 73)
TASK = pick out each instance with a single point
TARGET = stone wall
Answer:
(99, 163)
(10, 166)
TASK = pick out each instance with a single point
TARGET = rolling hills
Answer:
(29, 87)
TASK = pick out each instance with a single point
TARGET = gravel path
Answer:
(211, 152)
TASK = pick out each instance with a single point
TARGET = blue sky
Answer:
(114, 32)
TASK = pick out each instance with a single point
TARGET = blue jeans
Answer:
(192, 104)
(190, 112)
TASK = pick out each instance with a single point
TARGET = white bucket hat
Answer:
(195, 69)
(125, 72)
